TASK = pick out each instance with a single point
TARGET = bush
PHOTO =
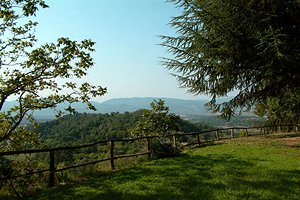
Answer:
(5, 170)
(162, 148)
(243, 133)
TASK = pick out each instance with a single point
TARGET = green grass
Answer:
(253, 168)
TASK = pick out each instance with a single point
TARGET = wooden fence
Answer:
(217, 136)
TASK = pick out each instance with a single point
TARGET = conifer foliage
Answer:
(250, 47)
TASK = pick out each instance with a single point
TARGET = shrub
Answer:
(162, 148)
(243, 133)
(5, 170)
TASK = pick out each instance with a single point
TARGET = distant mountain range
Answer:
(178, 106)
(193, 110)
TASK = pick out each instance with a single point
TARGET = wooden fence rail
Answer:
(52, 169)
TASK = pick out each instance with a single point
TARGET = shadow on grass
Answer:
(211, 176)
(202, 145)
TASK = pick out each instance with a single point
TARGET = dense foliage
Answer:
(85, 128)
(250, 47)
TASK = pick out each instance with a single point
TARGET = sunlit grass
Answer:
(253, 168)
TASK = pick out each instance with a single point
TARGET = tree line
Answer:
(85, 128)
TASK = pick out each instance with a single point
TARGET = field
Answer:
(244, 168)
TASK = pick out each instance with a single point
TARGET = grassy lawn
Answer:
(252, 168)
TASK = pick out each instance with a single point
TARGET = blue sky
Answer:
(127, 57)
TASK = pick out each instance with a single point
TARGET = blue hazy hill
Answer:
(178, 106)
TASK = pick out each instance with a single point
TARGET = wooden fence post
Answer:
(232, 133)
(148, 147)
(260, 131)
(217, 135)
(51, 169)
(198, 140)
(112, 164)
(174, 140)
(246, 132)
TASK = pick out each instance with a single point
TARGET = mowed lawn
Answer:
(245, 168)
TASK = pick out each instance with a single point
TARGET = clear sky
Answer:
(128, 54)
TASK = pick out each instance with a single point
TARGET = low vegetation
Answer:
(243, 168)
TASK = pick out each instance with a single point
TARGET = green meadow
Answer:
(244, 168)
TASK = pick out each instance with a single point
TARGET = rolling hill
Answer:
(178, 106)
(192, 110)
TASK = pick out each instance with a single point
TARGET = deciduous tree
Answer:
(38, 77)
(157, 121)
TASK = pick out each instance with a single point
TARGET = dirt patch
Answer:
(288, 139)
(291, 141)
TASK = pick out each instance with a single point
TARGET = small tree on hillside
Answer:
(158, 121)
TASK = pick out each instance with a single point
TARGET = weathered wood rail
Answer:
(52, 168)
